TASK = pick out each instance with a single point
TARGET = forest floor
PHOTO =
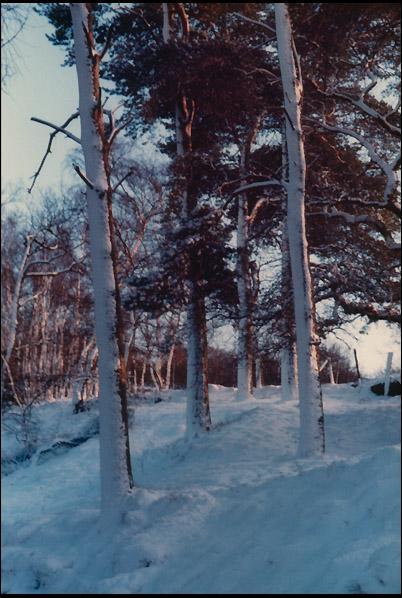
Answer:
(233, 512)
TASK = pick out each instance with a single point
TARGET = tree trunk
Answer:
(258, 373)
(198, 412)
(154, 376)
(288, 353)
(289, 373)
(134, 379)
(144, 369)
(45, 300)
(245, 333)
(127, 346)
(169, 367)
(310, 396)
(13, 320)
(115, 465)
(331, 373)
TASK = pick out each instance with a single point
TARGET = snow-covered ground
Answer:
(234, 512)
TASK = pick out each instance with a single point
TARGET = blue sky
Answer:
(45, 89)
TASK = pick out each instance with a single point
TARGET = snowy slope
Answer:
(234, 512)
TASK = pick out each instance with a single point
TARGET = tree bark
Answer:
(311, 408)
(115, 464)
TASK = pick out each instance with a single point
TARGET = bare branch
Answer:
(45, 246)
(116, 130)
(54, 273)
(49, 147)
(107, 43)
(83, 176)
(249, 20)
(121, 181)
(60, 129)
(10, 376)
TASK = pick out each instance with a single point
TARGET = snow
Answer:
(233, 511)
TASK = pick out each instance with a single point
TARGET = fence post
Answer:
(387, 374)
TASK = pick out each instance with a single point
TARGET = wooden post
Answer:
(75, 396)
(387, 374)
(357, 366)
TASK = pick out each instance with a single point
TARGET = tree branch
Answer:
(107, 43)
(83, 176)
(249, 20)
(60, 129)
(55, 273)
(272, 183)
(388, 169)
(363, 106)
(51, 138)
(362, 219)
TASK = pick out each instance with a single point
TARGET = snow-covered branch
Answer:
(372, 312)
(272, 183)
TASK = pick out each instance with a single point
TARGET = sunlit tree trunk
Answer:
(310, 397)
